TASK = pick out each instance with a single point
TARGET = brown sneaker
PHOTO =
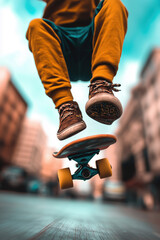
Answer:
(71, 121)
(102, 105)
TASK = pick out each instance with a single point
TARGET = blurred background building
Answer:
(13, 108)
(49, 169)
(25, 158)
(30, 147)
(50, 165)
(139, 137)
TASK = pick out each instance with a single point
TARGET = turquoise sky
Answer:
(142, 36)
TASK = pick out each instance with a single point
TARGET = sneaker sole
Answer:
(104, 108)
(71, 130)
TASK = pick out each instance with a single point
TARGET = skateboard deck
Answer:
(82, 151)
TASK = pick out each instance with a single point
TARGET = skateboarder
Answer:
(79, 40)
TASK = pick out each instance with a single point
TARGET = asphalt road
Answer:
(24, 217)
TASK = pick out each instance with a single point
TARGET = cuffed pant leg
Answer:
(110, 27)
(45, 45)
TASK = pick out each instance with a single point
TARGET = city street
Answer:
(105, 56)
(31, 217)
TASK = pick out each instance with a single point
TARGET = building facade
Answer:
(50, 165)
(13, 108)
(150, 102)
(139, 134)
(30, 147)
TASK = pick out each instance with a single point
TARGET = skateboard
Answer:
(82, 151)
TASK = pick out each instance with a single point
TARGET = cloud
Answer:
(25, 7)
(13, 44)
(10, 40)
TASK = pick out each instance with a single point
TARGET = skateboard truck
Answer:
(84, 171)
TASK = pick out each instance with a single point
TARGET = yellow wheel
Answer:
(104, 168)
(65, 178)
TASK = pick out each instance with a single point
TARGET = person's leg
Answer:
(110, 26)
(45, 45)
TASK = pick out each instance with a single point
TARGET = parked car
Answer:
(14, 178)
(33, 186)
(114, 191)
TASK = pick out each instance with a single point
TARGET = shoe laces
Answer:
(102, 83)
(67, 109)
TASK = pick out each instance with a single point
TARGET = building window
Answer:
(21, 116)
(158, 114)
(146, 105)
(150, 138)
(5, 99)
(128, 168)
(13, 105)
(159, 132)
(1, 110)
(148, 123)
(152, 156)
(153, 79)
(9, 115)
(146, 159)
(156, 95)
(2, 143)
(5, 129)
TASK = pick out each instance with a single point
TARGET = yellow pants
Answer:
(109, 29)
